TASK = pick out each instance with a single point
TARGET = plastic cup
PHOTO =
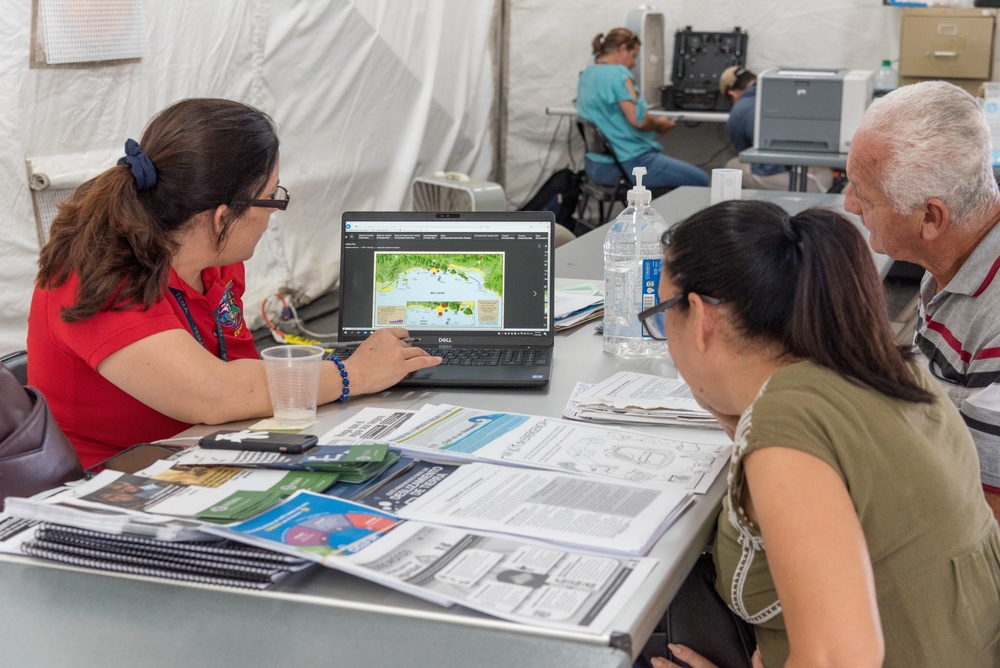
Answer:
(293, 379)
(726, 184)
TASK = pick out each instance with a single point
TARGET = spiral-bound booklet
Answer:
(218, 562)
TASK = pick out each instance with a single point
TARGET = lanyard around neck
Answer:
(223, 354)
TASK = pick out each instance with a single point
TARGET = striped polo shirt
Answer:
(958, 331)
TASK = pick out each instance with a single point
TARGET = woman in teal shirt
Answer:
(607, 97)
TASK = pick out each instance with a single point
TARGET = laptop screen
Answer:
(461, 278)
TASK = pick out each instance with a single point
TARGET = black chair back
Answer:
(594, 141)
(606, 196)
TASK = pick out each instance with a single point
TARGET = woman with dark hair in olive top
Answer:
(854, 532)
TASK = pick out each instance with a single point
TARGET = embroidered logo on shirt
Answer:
(229, 314)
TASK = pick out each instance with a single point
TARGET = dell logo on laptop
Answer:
(444, 339)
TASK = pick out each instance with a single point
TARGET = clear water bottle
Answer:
(885, 79)
(632, 259)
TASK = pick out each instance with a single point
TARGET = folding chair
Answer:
(594, 141)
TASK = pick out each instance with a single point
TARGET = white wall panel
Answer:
(366, 95)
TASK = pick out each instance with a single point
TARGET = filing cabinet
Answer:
(947, 43)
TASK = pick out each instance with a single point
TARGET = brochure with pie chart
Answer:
(320, 524)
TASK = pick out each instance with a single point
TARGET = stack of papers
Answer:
(638, 398)
(578, 303)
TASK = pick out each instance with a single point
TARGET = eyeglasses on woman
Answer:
(655, 319)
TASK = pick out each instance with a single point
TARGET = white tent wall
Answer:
(366, 95)
(550, 44)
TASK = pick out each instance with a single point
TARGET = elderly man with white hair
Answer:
(921, 177)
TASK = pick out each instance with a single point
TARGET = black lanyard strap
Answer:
(223, 353)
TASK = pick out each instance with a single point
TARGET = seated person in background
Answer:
(136, 326)
(607, 97)
(921, 178)
(740, 86)
(853, 531)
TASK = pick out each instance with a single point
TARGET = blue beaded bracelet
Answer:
(343, 376)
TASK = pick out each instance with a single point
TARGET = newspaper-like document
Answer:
(562, 508)
(513, 579)
(638, 398)
(681, 459)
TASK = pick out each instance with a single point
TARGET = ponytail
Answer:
(839, 317)
(597, 44)
(803, 282)
(112, 242)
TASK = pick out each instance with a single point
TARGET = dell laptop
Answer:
(475, 288)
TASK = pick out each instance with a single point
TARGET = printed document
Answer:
(684, 459)
(514, 579)
(556, 507)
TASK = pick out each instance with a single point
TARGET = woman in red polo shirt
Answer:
(136, 327)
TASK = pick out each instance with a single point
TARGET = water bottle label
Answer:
(650, 285)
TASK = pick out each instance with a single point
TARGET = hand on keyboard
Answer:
(383, 360)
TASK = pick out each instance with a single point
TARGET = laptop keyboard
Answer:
(479, 356)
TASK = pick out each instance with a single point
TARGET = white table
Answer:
(700, 137)
(577, 257)
(678, 115)
(798, 162)
(55, 615)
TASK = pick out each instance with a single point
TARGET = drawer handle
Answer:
(945, 54)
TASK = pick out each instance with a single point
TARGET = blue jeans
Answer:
(662, 171)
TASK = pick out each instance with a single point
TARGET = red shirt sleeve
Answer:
(98, 417)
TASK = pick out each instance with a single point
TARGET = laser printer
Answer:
(811, 110)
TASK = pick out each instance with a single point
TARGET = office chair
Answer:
(594, 141)
(17, 362)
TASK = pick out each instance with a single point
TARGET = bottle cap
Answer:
(886, 63)
(639, 194)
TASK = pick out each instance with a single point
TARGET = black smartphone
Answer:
(263, 441)
(137, 457)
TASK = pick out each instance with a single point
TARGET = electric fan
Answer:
(452, 191)
(650, 66)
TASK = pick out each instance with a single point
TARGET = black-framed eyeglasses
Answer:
(655, 319)
(279, 200)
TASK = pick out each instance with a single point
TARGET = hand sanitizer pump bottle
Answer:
(633, 256)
